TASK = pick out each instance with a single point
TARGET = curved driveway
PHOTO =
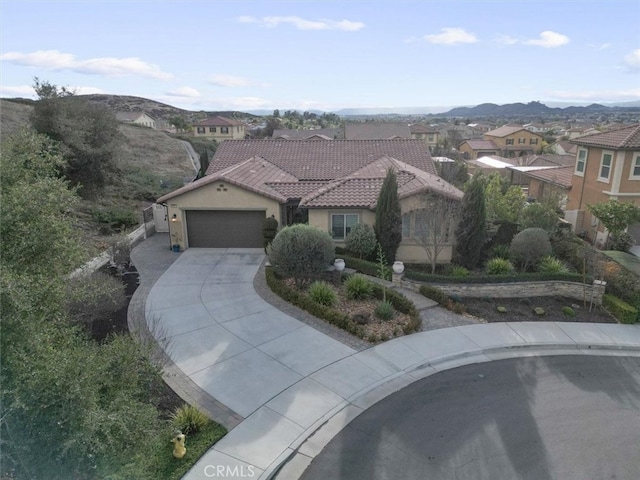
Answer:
(287, 379)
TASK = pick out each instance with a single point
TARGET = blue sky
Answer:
(326, 55)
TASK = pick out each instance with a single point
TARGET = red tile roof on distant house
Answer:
(627, 138)
(321, 160)
(417, 128)
(560, 176)
(217, 122)
(508, 130)
(482, 145)
(290, 134)
(376, 131)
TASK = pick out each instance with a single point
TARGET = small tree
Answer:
(432, 225)
(301, 252)
(539, 215)
(615, 216)
(529, 247)
(388, 226)
(470, 232)
(504, 202)
(361, 240)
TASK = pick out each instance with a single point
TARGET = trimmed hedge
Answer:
(363, 266)
(519, 277)
(620, 309)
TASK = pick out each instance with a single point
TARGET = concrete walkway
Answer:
(285, 386)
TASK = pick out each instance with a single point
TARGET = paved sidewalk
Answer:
(287, 386)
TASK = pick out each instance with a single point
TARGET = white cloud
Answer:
(632, 60)
(29, 92)
(548, 39)
(303, 24)
(187, 92)
(507, 40)
(451, 36)
(224, 80)
(55, 60)
(598, 95)
(600, 47)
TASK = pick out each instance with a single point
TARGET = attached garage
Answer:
(225, 228)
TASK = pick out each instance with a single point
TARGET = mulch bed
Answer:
(522, 310)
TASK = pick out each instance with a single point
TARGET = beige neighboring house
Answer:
(607, 168)
(139, 118)
(514, 141)
(543, 183)
(429, 135)
(376, 131)
(473, 149)
(219, 129)
(332, 185)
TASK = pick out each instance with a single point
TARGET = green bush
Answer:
(539, 215)
(269, 230)
(509, 278)
(529, 247)
(362, 266)
(551, 264)
(459, 271)
(499, 266)
(301, 252)
(434, 294)
(500, 251)
(622, 242)
(361, 240)
(322, 293)
(620, 309)
(358, 286)
(384, 311)
(188, 419)
(568, 311)
(115, 218)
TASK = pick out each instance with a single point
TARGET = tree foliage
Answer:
(615, 216)
(470, 231)
(504, 202)
(539, 215)
(87, 134)
(361, 240)
(388, 226)
(529, 247)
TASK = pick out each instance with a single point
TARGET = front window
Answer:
(431, 137)
(509, 141)
(605, 166)
(581, 162)
(635, 167)
(522, 141)
(201, 130)
(341, 224)
(224, 129)
(533, 141)
(212, 129)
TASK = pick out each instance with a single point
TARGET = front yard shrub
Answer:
(622, 242)
(322, 293)
(434, 294)
(361, 240)
(529, 247)
(362, 266)
(499, 266)
(384, 311)
(551, 264)
(620, 309)
(188, 419)
(568, 311)
(358, 286)
(301, 252)
(269, 231)
(500, 251)
(459, 271)
(115, 218)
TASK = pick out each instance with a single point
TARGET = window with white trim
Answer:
(581, 161)
(200, 129)
(212, 129)
(224, 129)
(342, 223)
(635, 167)
(605, 167)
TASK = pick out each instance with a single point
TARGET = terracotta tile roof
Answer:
(321, 160)
(289, 134)
(417, 128)
(560, 176)
(482, 144)
(627, 138)
(507, 130)
(547, 160)
(376, 131)
(291, 190)
(217, 122)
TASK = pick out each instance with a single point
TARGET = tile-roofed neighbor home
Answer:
(376, 131)
(331, 185)
(219, 129)
(320, 133)
(627, 138)
(139, 118)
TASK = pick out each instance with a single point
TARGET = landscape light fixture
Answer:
(174, 218)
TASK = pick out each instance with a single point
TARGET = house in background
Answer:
(219, 129)
(473, 149)
(546, 183)
(332, 185)
(376, 131)
(607, 168)
(565, 147)
(429, 135)
(138, 118)
(514, 141)
(315, 134)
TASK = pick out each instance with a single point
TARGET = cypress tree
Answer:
(470, 231)
(388, 226)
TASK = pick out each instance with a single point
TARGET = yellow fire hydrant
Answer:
(178, 445)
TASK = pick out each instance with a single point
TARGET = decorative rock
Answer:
(502, 309)
(539, 311)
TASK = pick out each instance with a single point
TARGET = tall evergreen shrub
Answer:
(388, 226)
(470, 231)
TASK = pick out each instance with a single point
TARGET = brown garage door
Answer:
(225, 228)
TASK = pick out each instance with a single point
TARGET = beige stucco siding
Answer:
(321, 218)
(216, 196)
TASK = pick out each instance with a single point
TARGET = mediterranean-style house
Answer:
(514, 141)
(331, 184)
(429, 135)
(139, 118)
(219, 129)
(473, 149)
(315, 134)
(607, 168)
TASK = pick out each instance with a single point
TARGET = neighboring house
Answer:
(514, 141)
(331, 185)
(576, 132)
(429, 135)
(316, 134)
(139, 118)
(490, 164)
(544, 183)
(565, 147)
(376, 131)
(607, 168)
(537, 127)
(472, 149)
(546, 160)
(219, 129)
